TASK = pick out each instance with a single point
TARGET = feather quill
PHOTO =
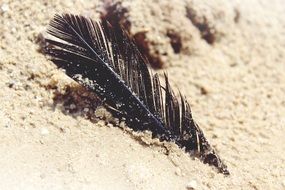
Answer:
(109, 64)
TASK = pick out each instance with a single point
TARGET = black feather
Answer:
(109, 64)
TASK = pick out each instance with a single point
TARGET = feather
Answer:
(109, 64)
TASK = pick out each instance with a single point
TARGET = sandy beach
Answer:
(226, 57)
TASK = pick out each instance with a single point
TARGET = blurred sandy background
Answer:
(227, 57)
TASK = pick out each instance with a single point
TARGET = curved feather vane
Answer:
(109, 64)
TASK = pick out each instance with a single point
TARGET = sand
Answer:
(227, 57)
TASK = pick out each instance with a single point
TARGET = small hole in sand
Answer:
(175, 41)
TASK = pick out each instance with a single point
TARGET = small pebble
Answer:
(4, 7)
(44, 131)
(192, 185)
(86, 109)
(13, 30)
(72, 106)
(109, 125)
